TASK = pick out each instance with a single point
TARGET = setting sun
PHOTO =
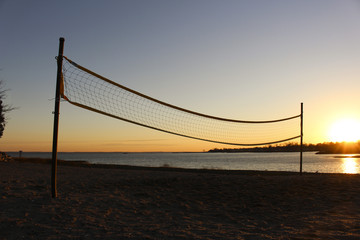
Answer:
(345, 130)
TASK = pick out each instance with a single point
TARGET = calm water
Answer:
(329, 163)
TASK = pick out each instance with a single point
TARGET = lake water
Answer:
(327, 163)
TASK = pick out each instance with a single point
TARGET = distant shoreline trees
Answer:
(320, 148)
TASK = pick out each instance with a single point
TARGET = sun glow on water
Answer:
(350, 165)
(347, 130)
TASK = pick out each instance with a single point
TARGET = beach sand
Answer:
(108, 202)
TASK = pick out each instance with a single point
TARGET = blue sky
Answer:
(251, 60)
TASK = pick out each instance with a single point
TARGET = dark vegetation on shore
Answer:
(320, 148)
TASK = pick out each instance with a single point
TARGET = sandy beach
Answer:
(108, 202)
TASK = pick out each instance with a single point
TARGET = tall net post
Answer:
(56, 118)
(301, 138)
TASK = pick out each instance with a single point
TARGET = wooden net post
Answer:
(56, 119)
(301, 138)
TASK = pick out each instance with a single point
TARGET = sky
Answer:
(249, 60)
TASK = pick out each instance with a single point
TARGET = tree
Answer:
(4, 108)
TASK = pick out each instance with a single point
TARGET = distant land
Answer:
(320, 148)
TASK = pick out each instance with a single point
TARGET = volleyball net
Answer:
(86, 89)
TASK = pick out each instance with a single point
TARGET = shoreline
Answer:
(86, 164)
(290, 162)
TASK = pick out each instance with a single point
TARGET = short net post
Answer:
(56, 119)
(301, 138)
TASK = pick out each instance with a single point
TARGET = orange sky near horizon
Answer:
(118, 136)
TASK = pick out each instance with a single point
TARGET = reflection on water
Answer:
(350, 165)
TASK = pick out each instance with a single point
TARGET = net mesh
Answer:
(91, 91)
